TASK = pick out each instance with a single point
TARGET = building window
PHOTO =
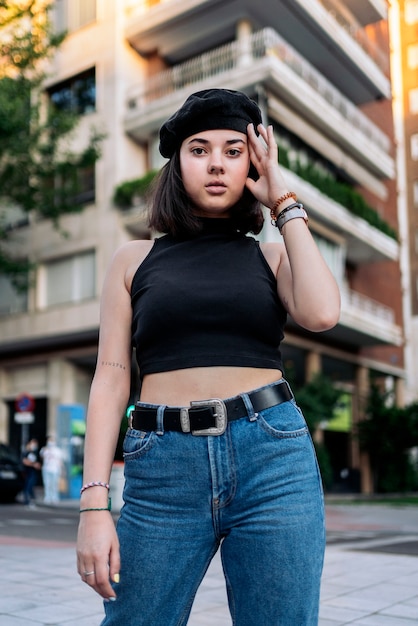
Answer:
(333, 255)
(12, 217)
(87, 185)
(12, 301)
(81, 189)
(70, 15)
(411, 11)
(71, 279)
(412, 56)
(413, 101)
(76, 94)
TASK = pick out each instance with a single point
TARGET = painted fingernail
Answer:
(111, 599)
(116, 578)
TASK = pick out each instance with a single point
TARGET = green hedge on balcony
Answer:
(126, 193)
(340, 192)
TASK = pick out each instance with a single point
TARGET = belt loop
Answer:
(248, 405)
(160, 419)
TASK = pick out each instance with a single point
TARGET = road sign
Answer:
(24, 417)
(24, 403)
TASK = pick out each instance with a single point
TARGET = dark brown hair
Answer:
(170, 209)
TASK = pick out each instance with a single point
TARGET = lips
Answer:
(215, 186)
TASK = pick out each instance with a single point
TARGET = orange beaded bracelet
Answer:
(285, 196)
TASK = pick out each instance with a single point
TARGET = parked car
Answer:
(11, 474)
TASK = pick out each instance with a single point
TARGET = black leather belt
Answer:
(208, 417)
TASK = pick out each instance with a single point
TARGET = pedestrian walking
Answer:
(32, 466)
(52, 466)
(217, 455)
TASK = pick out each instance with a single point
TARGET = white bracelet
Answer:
(291, 214)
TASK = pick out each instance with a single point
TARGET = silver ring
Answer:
(89, 573)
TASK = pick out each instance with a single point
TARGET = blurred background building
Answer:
(321, 73)
(404, 49)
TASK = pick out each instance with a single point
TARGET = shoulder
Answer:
(124, 263)
(133, 250)
(130, 256)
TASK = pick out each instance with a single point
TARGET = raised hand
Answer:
(264, 156)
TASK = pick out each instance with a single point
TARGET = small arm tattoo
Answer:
(113, 364)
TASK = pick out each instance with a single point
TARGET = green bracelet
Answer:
(107, 508)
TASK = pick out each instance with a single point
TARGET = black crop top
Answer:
(207, 300)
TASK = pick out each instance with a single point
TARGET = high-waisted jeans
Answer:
(254, 491)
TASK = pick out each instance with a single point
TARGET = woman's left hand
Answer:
(264, 155)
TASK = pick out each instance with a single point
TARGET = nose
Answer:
(215, 165)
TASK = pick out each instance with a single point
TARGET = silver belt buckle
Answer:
(219, 414)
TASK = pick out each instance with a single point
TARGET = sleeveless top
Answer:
(206, 300)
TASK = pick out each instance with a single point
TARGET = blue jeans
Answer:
(31, 478)
(254, 491)
(51, 486)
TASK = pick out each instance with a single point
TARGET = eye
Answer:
(234, 152)
(198, 151)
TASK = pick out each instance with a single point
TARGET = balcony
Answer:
(51, 329)
(264, 58)
(364, 243)
(365, 322)
(340, 49)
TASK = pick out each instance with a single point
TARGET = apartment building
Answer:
(320, 70)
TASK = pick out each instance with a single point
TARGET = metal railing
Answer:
(264, 44)
(359, 34)
(367, 306)
(353, 28)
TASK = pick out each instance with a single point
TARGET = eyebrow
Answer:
(206, 141)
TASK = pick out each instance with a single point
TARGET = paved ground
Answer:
(370, 576)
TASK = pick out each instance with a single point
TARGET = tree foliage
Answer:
(39, 172)
(317, 400)
(388, 434)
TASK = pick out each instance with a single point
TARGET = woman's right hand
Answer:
(98, 559)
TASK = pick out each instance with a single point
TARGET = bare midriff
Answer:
(180, 387)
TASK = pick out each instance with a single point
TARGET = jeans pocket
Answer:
(137, 443)
(283, 421)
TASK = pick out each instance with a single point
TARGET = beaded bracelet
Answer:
(107, 508)
(285, 196)
(95, 483)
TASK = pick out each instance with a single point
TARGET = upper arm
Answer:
(115, 313)
(114, 354)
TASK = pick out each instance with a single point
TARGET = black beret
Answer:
(209, 109)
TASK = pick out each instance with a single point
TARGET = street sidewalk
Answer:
(362, 584)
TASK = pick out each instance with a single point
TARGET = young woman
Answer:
(217, 453)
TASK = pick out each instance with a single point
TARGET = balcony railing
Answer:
(366, 322)
(366, 306)
(359, 34)
(263, 44)
(355, 30)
